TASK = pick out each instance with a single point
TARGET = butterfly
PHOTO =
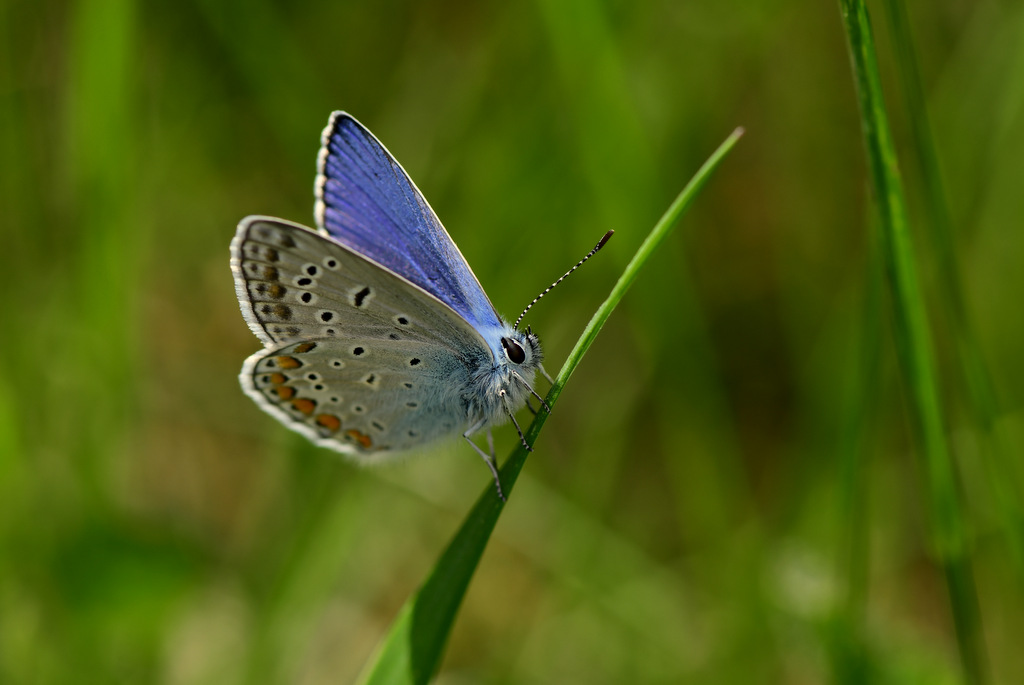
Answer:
(377, 336)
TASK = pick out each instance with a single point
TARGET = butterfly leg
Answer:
(511, 415)
(489, 459)
(532, 392)
(544, 373)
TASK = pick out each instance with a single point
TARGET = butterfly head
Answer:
(501, 389)
(522, 349)
(510, 382)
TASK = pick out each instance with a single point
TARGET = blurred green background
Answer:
(727, 491)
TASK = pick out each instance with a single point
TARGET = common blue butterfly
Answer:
(378, 337)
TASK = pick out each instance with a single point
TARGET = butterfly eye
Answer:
(514, 351)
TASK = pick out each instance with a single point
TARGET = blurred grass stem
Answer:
(914, 346)
(972, 364)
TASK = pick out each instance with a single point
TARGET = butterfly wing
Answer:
(357, 358)
(365, 200)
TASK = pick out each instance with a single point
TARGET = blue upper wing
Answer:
(366, 201)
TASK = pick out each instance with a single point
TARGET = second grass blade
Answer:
(914, 345)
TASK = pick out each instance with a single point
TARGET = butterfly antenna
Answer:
(551, 287)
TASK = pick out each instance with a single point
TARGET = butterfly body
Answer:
(378, 337)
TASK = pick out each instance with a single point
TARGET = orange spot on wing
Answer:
(304, 405)
(305, 347)
(329, 421)
(288, 362)
(278, 378)
(362, 438)
(285, 392)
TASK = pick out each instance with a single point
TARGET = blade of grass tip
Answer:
(654, 239)
(411, 651)
(913, 345)
(973, 368)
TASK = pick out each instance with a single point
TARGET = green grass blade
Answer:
(973, 367)
(914, 346)
(412, 650)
